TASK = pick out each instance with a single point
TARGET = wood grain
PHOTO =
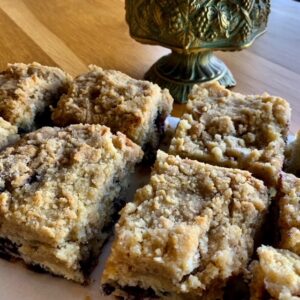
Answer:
(15, 46)
(21, 15)
(73, 33)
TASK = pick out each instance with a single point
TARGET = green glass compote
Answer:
(193, 30)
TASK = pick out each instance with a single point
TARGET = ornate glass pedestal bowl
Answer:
(193, 29)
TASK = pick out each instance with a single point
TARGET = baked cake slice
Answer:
(135, 107)
(233, 130)
(27, 91)
(8, 133)
(188, 232)
(276, 275)
(59, 189)
(289, 212)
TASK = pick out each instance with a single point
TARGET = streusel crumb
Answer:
(289, 210)
(58, 188)
(276, 275)
(187, 232)
(233, 130)
(135, 107)
(27, 91)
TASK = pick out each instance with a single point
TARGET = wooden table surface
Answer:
(74, 33)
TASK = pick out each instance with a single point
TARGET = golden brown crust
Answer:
(234, 130)
(27, 90)
(57, 191)
(276, 275)
(116, 100)
(188, 231)
(289, 205)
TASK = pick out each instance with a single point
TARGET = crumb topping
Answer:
(26, 90)
(234, 130)
(113, 99)
(289, 219)
(51, 182)
(277, 273)
(192, 226)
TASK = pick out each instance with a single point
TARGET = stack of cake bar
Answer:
(60, 187)
(193, 231)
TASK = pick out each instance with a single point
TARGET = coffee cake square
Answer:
(135, 107)
(289, 211)
(276, 275)
(187, 232)
(233, 130)
(27, 91)
(59, 189)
